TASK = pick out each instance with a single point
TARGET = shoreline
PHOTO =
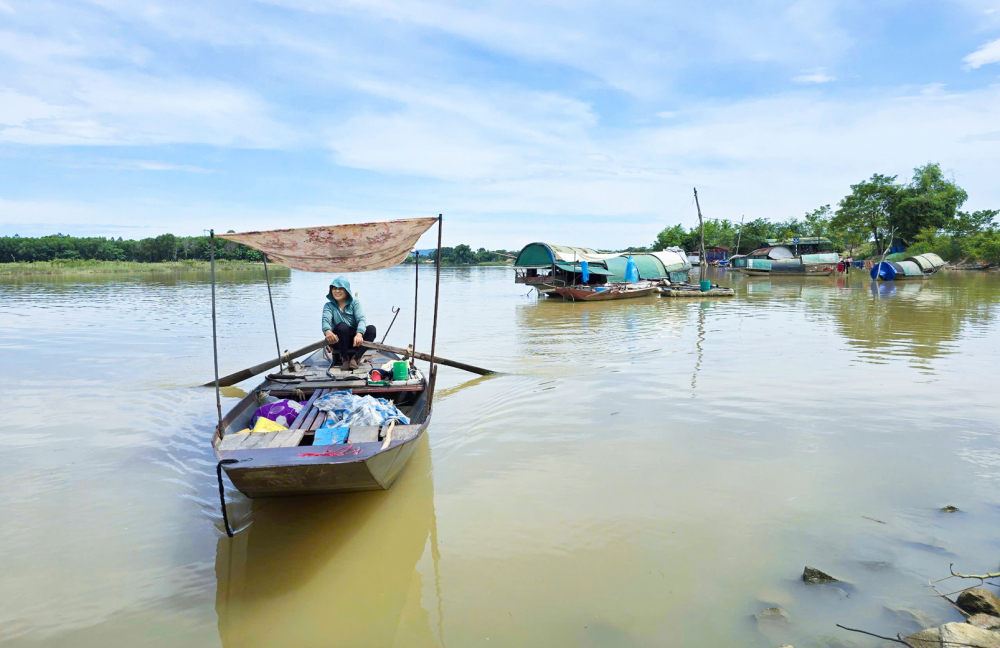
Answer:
(91, 266)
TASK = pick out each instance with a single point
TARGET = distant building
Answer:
(803, 244)
(717, 253)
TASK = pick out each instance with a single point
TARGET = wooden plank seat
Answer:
(309, 420)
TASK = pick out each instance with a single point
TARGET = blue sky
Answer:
(583, 123)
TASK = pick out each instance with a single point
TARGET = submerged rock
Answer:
(875, 565)
(979, 601)
(949, 509)
(955, 633)
(817, 577)
(912, 617)
(773, 617)
(984, 621)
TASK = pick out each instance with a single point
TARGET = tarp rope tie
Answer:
(348, 450)
(222, 493)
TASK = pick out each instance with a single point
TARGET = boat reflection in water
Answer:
(337, 570)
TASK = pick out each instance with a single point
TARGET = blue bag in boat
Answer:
(330, 433)
(584, 271)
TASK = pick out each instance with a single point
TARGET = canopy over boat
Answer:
(355, 247)
(543, 255)
(927, 262)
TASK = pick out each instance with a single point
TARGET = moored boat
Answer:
(292, 460)
(921, 266)
(607, 293)
(546, 267)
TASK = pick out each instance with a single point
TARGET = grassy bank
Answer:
(90, 266)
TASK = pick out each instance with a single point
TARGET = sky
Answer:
(580, 123)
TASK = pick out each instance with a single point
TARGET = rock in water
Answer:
(815, 576)
(949, 509)
(984, 621)
(913, 618)
(955, 633)
(773, 616)
(773, 623)
(979, 601)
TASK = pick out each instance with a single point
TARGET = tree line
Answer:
(924, 212)
(464, 255)
(165, 247)
(168, 247)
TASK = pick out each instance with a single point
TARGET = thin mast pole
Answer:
(701, 226)
(274, 320)
(739, 237)
(437, 290)
(416, 294)
(215, 342)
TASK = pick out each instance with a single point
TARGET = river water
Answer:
(646, 473)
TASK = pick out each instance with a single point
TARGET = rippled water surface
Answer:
(646, 473)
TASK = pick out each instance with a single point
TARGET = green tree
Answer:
(463, 254)
(930, 200)
(670, 237)
(868, 208)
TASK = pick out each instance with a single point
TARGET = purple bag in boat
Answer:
(282, 412)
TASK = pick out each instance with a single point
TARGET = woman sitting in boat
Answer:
(344, 323)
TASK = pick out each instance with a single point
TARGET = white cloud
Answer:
(666, 114)
(818, 75)
(988, 53)
(88, 107)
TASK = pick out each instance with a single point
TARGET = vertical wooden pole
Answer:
(437, 292)
(416, 293)
(739, 237)
(274, 320)
(701, 226)
(215, 342)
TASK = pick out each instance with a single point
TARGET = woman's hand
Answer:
(331, 338)
(358, 339)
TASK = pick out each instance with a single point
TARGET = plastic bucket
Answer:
(400, 370)
(706, 285)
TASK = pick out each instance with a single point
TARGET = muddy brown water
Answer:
(647, 473)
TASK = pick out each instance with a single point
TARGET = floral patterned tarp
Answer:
(338, 248)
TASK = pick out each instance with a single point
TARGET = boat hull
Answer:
(283, 472)
(822, 272)
(576, 294)
(369, 464)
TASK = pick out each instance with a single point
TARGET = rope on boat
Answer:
(330, 452)
(222, 493)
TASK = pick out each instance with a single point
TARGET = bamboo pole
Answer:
(423, 356)
(701, 226)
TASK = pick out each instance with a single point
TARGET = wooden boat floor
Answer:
(308, 421)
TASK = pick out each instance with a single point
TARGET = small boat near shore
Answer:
(921, 266)
(546, 267)
(606, 293)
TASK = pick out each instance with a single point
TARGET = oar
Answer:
(240, 376)
(423, 356)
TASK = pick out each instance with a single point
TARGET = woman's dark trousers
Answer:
(345, 339)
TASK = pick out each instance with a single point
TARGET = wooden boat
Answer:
(780, 260)
(546, 267)
(922, 266)
(280, 463)
(283, 463)
(600, 293)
